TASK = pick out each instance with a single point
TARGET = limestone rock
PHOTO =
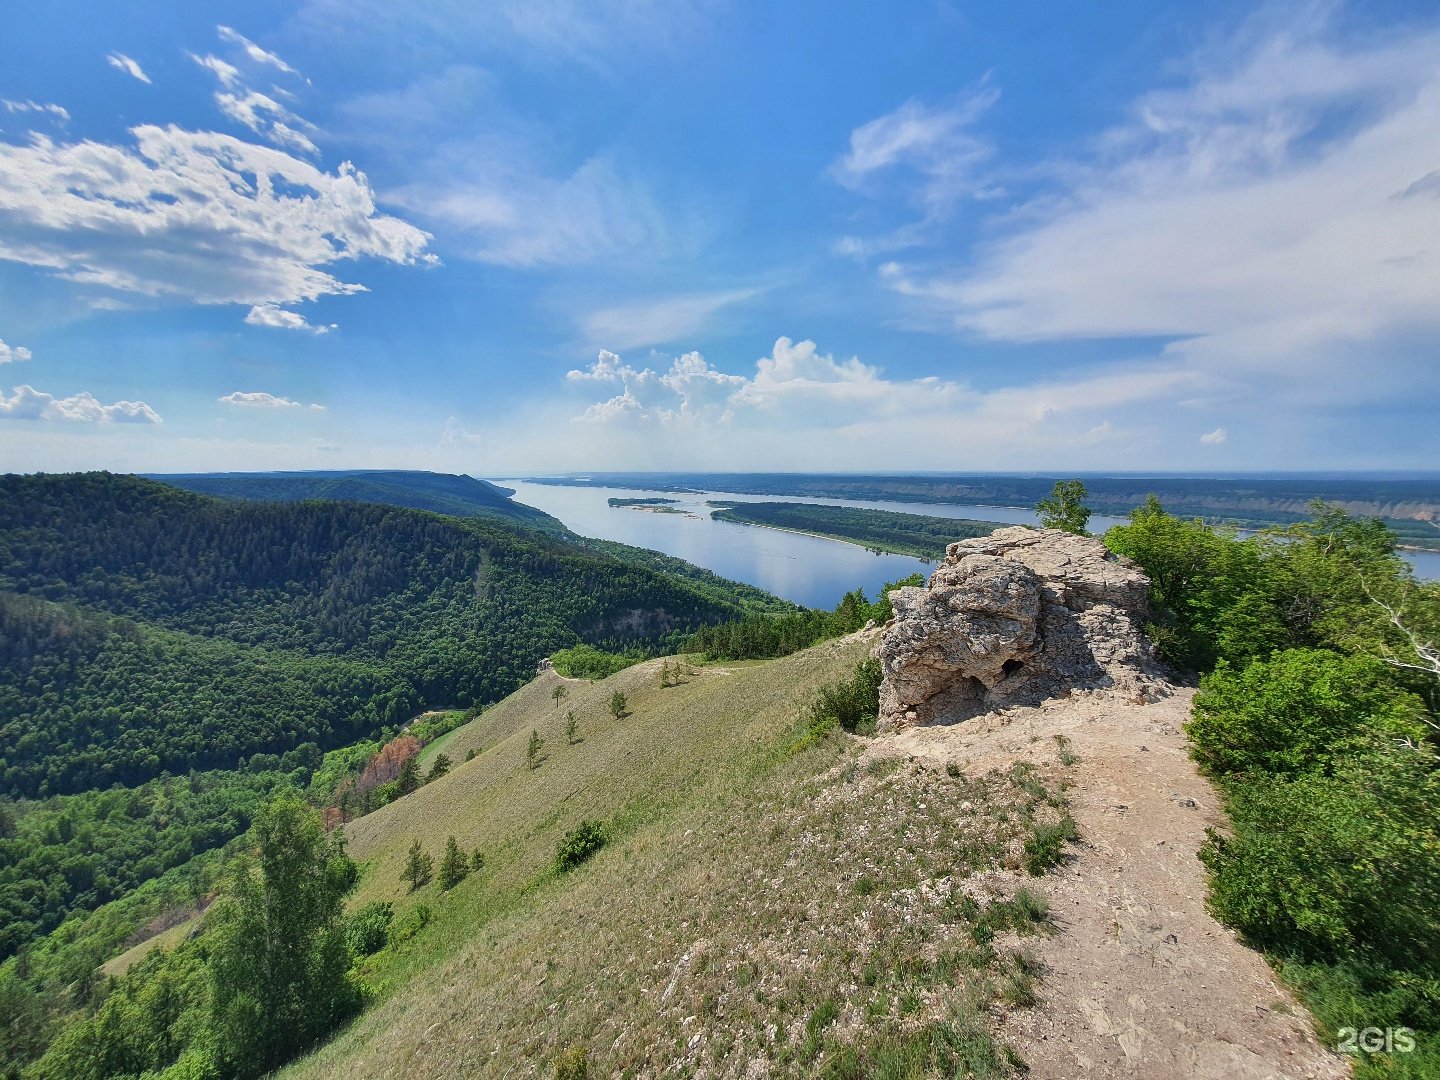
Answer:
(1015, 618)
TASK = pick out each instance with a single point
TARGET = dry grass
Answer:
(757, 911)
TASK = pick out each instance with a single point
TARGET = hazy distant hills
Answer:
(443, 493)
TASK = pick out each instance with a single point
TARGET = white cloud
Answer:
(1273, 212)
(10, 353)
(1216, 437)
(258, 399)
(932, 141)
(227, 74)
(796, 382)
(197, 215)
(279, 319)
(27, 403)
(120, 62)
(658, 321)
(57, 112)
(253, 51)
(267, 118)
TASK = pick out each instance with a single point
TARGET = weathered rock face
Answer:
(1014, 618)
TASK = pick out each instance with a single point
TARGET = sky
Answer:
(533, 236)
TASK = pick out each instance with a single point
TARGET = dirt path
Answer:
(1142, 981)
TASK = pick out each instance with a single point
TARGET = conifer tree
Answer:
(453, 866)
(418, 866)
(571, 725)
(532, 751)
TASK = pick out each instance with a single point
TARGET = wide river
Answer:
(806, 569)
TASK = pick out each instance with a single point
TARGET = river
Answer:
(806, 569)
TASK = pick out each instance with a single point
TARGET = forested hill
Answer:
(461, 496)
(147, 629)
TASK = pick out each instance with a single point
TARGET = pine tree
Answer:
(571, 725)
(453, 866)
(559, 694)
(409, 778)
(618, 705)
(439, 769)
(418, 867)
(477, 860)
(532, 751)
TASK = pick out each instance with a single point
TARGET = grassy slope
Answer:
(785, 903)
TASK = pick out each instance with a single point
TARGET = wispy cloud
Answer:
(473, 167)
(27, 403)
(929, 150)
(253, 51)
(280, 319)
(258, 399)
(54, 112)
(120, 62)
(1271, 211)
(11, 353)
(1216, 437)
(659, 320)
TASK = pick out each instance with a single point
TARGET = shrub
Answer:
(1045, 846)
(572, 1064)
(588, 662)
(1299, 712)
(619, 707)
(1355, 867)
(579, 844)
(852, 705)
(368, 930)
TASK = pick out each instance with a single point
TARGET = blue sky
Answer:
(552, 235)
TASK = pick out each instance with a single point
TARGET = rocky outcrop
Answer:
(1015, 618)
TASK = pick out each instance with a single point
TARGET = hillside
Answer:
(855, 908)
(149, 632)
(441, 493)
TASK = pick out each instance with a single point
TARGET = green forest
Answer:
(172, 659)
(879, 530)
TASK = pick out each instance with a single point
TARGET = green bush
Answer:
(579, 844)
(1324, 864)
(572, 1064)
(852, 705)
(587, 662)
(1045, 846)
(368, 930)
(1300, 712)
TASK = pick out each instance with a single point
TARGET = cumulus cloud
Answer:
(258, 399)
(802, 407)
(10, 353)
(1270, 212)
(55, 112)
(1216, 437)
(198, 215)
(27, 403)
(280, 319)
(807, 387)
(120, 62)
